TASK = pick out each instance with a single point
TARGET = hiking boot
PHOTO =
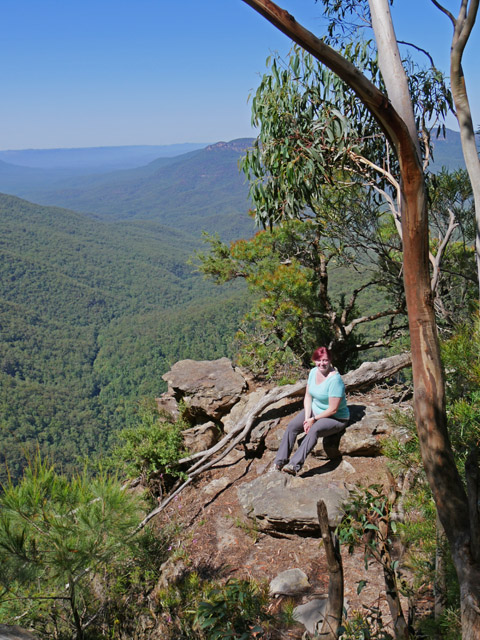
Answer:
(290, 470)
(277, 466)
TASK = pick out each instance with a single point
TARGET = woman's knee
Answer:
(296, 424)
(327, 426)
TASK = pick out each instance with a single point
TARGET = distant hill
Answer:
(97, 299)
(91, 315)
(200, 190)
(195, 191)
(447, 152)
(91, 159)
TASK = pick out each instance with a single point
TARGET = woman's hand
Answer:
(307, 424)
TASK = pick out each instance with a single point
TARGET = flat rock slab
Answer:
(283, 503)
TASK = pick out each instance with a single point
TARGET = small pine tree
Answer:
(56, 535)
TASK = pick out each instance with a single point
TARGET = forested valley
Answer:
(94, 312)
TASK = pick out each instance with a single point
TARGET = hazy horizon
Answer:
(111, 74)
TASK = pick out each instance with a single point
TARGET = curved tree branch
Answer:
(445, 11)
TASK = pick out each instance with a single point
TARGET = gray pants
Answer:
(320, 428)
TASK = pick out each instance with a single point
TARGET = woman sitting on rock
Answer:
(325, 413)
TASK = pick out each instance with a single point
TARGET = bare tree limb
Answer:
(445, 11)
(414, 46)
(437, 259)
(374, 316)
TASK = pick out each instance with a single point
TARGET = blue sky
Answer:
(79, 73)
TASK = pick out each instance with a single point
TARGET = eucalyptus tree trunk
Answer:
(391, 66)
(429, 388)
(429, 391)
(463, 26)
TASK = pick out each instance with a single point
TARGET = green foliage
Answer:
(364, 626)
(321, 158)
(234, 611)
(322, 180)
(450, 202)
(460, 354)
(126, 587)
(405, 451)
(56, 535)
(153, 446)
(369, 520)
(314, 131)
(288, 269)
(363, 511)
(195, 608)
(306, 120)
(461, 357)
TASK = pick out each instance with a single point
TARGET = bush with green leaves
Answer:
(461, 358)
(287, 269)
(153, 447)
(195, 608)
(233, 611)
(367, 625)
(420, 536)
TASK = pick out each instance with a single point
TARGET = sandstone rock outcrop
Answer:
(209, 388)
(216, 391)
(201, 437)
(239, 486)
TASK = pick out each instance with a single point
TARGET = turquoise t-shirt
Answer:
(332, 387)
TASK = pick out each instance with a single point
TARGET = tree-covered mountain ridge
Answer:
(97, 305)
(198, 190)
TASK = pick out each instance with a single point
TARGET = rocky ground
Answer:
(234, 525)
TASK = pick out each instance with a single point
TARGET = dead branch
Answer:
(373, 372)
(334, 608)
